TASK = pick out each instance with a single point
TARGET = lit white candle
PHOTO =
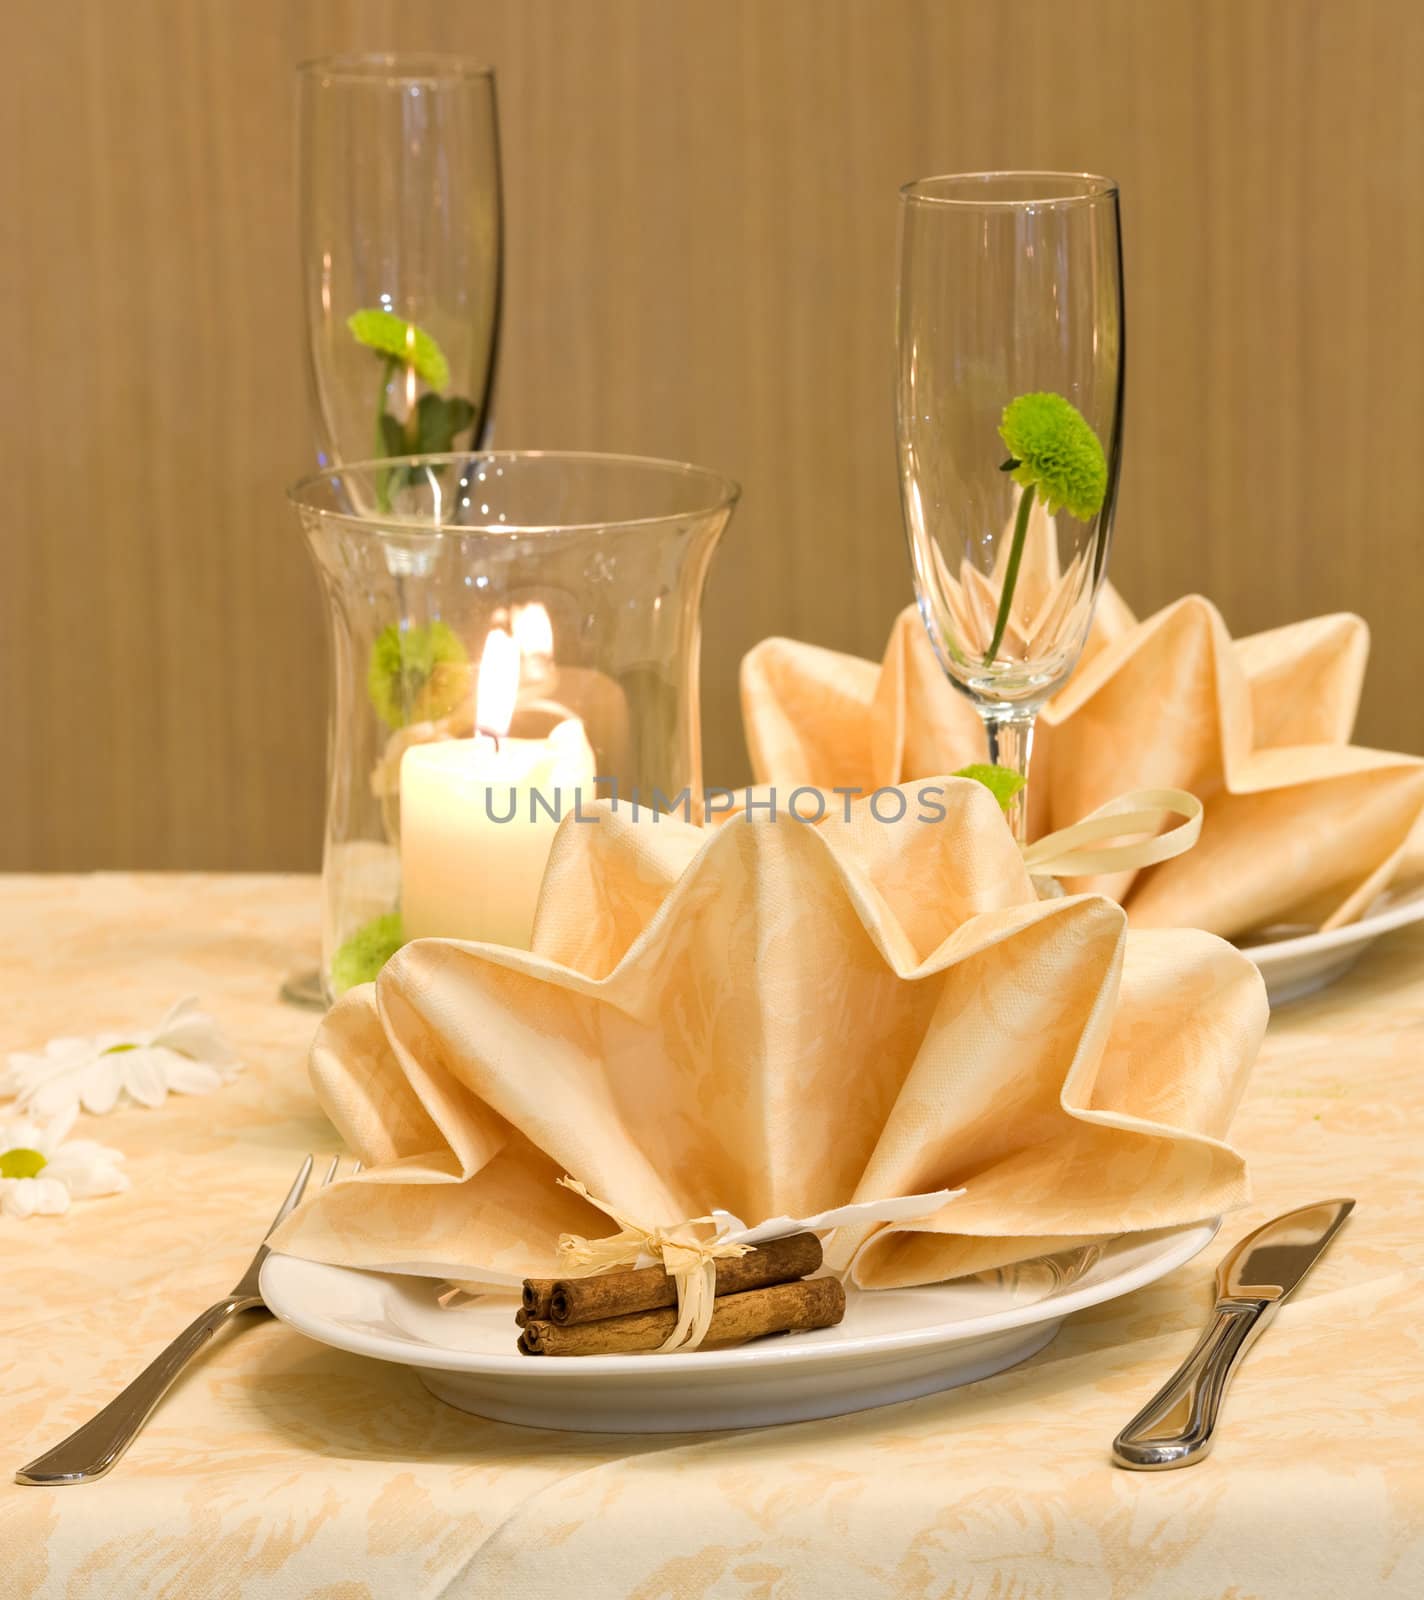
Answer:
(478, 815)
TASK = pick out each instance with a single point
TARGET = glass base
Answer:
(304, 989)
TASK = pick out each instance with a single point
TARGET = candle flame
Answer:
(533, 631)
(497, 686)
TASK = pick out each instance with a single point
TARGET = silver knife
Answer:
(1174, 1429)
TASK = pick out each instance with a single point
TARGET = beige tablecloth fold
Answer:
(774, 1018)
(1301, 827)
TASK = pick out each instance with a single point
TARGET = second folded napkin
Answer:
(1301, 828)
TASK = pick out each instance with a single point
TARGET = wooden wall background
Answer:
(700, 255)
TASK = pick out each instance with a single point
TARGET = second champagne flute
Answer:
(1009, 419)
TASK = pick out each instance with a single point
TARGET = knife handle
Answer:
(1174, 1428)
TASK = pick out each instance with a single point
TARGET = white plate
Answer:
(1295, 967)
(893, 1345)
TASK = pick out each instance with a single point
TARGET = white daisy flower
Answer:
(186, 1053)
(41, 1170)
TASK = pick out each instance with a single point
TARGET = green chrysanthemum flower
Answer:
(366, 952)
(417, 674)
(1055, 451)
(389, 335)
(999, 781)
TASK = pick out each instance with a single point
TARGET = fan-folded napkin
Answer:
(775, 1019)
(1300, 827)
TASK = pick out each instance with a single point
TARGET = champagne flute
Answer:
(401, 230)
(1009, 328)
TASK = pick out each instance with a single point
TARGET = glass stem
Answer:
(1010, 745)
(1011, 573)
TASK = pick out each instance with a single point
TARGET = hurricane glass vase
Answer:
(515, 637)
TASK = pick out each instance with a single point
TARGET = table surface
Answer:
(281, 1468)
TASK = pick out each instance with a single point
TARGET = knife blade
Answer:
(1175, 1428)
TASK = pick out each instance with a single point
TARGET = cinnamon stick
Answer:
(536, 1296)
(778, 1308)
(617, 1294)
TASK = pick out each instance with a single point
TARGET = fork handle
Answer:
(92, 1449)
(1175, 1427)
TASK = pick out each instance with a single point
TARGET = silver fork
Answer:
(91, 1450)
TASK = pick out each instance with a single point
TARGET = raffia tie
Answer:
(690, 1262)
(1063, 854)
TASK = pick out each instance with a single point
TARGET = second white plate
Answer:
(893, 1345)
(1296, 967)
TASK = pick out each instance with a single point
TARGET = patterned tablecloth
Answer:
(280, 1468)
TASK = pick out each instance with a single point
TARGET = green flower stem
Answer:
(383, 479)
(1011, 574)
(388, 367)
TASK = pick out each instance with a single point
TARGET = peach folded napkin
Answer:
(1301, 828)
(775, 1019)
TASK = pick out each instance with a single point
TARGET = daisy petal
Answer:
(57, 1130)
(102, 1086)
(22, 1134)
(50, 1099)
(194, 1077)
(100, 1179)
(144, 1077)
(51, 1198)
(197, 1036)
(186, 1007)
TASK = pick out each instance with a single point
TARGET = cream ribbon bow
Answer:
(1062, 854)
(690, 1262)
